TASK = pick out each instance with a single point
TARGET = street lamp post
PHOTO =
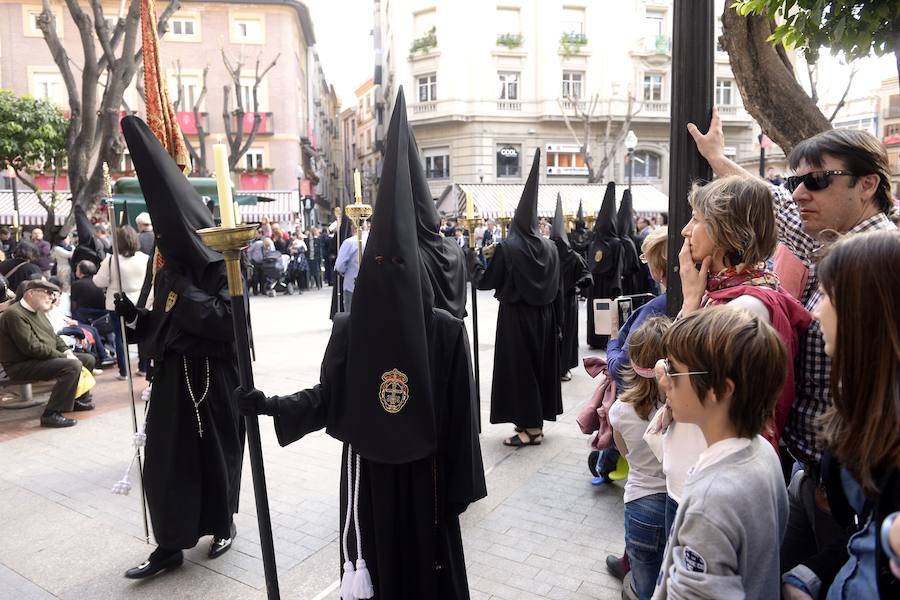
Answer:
(630, 144)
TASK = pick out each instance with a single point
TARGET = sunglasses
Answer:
(815, 181)
(670, 373)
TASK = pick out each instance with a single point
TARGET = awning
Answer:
(30, 212)
(277, 206)
(494, 199)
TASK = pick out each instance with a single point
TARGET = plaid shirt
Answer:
(813, 368)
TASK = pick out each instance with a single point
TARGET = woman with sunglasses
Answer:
(859, 315)
(731, 235)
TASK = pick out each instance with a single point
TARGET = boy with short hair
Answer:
(723, 371)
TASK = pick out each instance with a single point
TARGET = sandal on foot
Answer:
(516, 441)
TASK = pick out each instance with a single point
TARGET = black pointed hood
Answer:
(535, 261)
(388, 415)
(625, 227)
(605, 226)
(176, 209)
(442, 257)
(123, 216)
(558, 233)
(89, 247)
(579, 217)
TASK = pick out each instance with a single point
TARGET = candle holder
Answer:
(504, 224)
(358, 213)
(230, 241)
(569, 218)
(589, 221)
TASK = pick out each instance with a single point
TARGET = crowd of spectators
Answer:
(278, 262)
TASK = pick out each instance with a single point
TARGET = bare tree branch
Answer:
(843, 99)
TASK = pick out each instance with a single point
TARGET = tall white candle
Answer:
(223, 185)
(357, 185)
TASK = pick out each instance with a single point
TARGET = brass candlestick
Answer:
(230, 241)
(589, 221)
(504, 223)
(359, 213)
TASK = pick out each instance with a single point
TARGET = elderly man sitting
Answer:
(31, 350)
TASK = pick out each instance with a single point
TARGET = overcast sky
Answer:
(345, 46)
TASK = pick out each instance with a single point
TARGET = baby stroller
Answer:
(272, 273)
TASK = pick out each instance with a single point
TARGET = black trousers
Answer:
(315, 273)
(64, 370)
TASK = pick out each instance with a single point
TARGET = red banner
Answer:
(161, 115)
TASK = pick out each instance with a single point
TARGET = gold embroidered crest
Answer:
(393, 392)
(599, 256)
(170, 300)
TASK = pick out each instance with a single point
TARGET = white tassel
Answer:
(362, 581)
(347, 582)
(123, 486)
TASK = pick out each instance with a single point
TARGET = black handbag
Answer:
(103, 325)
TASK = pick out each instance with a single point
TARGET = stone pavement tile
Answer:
(13, 585)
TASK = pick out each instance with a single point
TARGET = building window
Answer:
(189, 91)
(247, 30)
(646, 165)
(653, 86)
(427, 85)
(437, 163)
(724, 92)
(508, 160)
(253, 159)
(573, 21)
(509, 86)
(565, 159)
(30, 14)
(184, 28)
(49, 86)
(572, 82)
(860, 124)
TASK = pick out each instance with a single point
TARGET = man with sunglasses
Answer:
(30, 350)
(841, 183)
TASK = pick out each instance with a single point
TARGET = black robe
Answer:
(192, 483)
(605, 263)
(412, 552)
(574, 277)
(525, 389)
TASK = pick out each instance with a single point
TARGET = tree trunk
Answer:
(768, 87)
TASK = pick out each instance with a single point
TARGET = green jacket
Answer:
(25, 335)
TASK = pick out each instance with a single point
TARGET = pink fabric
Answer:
(791, 321)
(595, 414)
(790, 270)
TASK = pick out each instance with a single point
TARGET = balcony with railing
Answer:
(424, 107)
(190, 125)
(509, 106)
(655, 107)
(266, 122)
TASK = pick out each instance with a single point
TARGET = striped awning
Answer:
(30, 212)
(496, 199)
(278, 206)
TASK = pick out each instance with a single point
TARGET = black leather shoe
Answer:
(151, 567)
(81, 406)
(220, 546)
(55, 419)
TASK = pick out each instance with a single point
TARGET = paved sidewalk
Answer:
(542, 532)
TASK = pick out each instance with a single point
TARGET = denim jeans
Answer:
(645, 540)
(671, 509)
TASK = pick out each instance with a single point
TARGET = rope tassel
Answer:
(123, 486)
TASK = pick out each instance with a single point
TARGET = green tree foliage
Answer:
(856, 28)
(32, 134)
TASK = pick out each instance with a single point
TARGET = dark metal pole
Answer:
(692, 100)
(475, 350)
(15, 190)
(257, 468)
(762, 158)
(230, 242)
(630, 168)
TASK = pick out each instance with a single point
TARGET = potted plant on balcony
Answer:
(570, 43)
(425, 43)
(510, 40)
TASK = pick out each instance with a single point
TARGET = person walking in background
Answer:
(145, 233)
(347, 263)
(314, 244)
(62, 253)
(133, 263)
(44, 258)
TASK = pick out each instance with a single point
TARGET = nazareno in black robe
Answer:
(411, 551)
(524, 272)
(605, 262)
(192, 481)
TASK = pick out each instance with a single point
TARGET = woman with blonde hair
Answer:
(730, 236)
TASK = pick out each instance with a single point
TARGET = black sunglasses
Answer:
(815, 181)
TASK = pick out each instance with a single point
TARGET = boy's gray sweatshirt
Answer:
(726, 536)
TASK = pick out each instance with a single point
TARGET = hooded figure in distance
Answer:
(605, 262)
(579, 236)
(524, 271)
(89, 247)
(397, 388)
(194, 449)
(635, 275)
(575, 278)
